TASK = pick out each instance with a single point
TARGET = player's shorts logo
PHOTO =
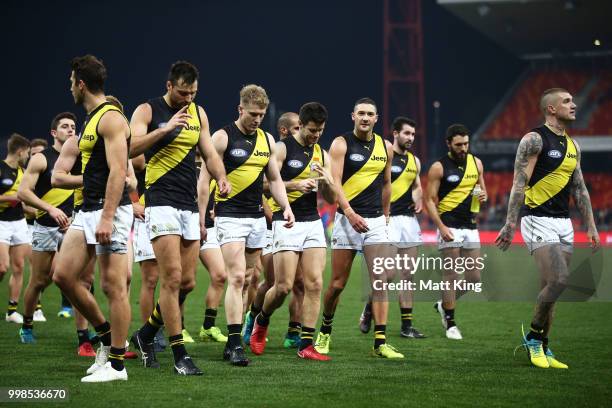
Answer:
(357, 157)
(296, 164)
(555, 154)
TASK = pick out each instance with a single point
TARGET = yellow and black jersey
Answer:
(77, 170)
(57, 197)
(403, 174)
(171, 178)
(297, 167)
(455, 192)
(246, 158)
(93, 158)
(547, 193)
(10, 179)
(363, 174)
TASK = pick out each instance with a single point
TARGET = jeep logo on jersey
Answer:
(555, 154)
(194, 127)
(264, 154)
(453, 178)
(396, 169)
(357, 157)
(89, 138)
(238, 152)
(296, 164)
(7, 182)
(378, 158)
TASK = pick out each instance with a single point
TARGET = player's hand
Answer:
(504, 238)
(224, 187)
(418, 207)
(306, 186)
(180, 118)
(203, 231)
(289, 217)
(327, 178)
(59, 217)
(446, 234)
(12, 200)
(358, 223)
(104, 231)
(139, 210)
(593, 237)
(482, 197)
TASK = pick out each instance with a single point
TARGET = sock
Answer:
(149, 329)
(178, 346)
(449, 315)
(406, 316)
(182, 322)
(536, 333)
(379, 335)
(182, 297)
(83, 336)
(28, 322)
(263, 319)
(65, 301)
(233, 337)
(116, 358)
(545, 344)
(294, 328)
(254, 311)
(306, 337)
(104, 333)
(326, 325)
(38, 306)
(209, 318)
(12, 307)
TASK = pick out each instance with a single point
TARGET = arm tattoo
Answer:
(530, 145)
(581, 196)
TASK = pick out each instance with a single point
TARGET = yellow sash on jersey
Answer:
(463, 190)
(54, 197)
(366, 175)
(13, 190)
(89, 138)
(402, 183)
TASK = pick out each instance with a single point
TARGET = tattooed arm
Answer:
(583, 202)
(528, 150)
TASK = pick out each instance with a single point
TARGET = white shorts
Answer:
(269, 241)
(87, 221)
(303, 235)
(46, 239)
(15, 233)
(211, 239)
(404, 231)
(251, 231)
(344, 235)
(464, 238)
(143, 250)
(541, 231)
(166, 220)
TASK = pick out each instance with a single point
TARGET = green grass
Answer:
(481, 370)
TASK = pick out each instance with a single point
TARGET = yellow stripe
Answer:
(366, 175)
(400, 186)
(551, 184)
(171, 155)
(90, 135)
(78, 196)
(294, 195)
(245, 175)
(463, 190)
(13, 190)
(54, 197)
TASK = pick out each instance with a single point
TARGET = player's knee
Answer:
(4, 266)
(218, 280)
(283, 289)
(236, 281)
(172, 283)
(188, 285)
(313, 285)
(112, 290)
(149, 283)
(63, 282)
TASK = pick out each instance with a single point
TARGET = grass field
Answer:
(480, 370)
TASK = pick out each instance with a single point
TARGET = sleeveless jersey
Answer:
(10, 179)
(93, 158)
(363, 174)
(171, 178)
(78, 192)
(547, 193)
(57, 197)
(296, 167)
(455, 192)
(403, 174)
(245, 159)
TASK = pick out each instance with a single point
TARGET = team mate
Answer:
(15, 241)
(248, 154)
(546, 172)
(456, 184)
(299, 158)
(362, 166)
(168, 130)
(404, 230)
(102, 226)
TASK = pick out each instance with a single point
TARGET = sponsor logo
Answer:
(396, 169)
(409, 170)
(193, 127)
(471, 176)
(357, 157)
(7, 182)
(262, 154)
(89, 138)
(571, 156)
(164, 228)
(238, 152)
(453, 178)
(555, 154)
(296, 164)
(539, 238)
(378, 158)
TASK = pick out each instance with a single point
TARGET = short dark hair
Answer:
(183, 70)
(546, 97)
(91, 71)
(284, 121)
(400, 121)
(456, 129)
(16, 142)
(313, 112)
(365, 100)
(64, 115)
(39, 142)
